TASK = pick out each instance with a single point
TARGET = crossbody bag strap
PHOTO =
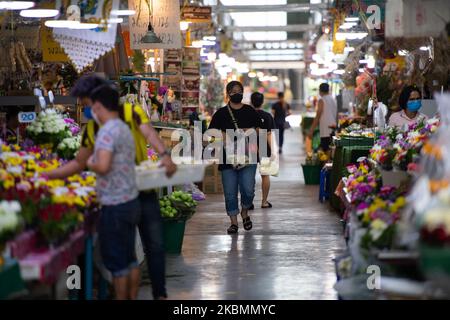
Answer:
(232, 117)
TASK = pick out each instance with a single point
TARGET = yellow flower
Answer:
(360, 179)
(80, 217)
(8, 183)
(79, 202)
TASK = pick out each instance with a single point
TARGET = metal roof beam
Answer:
(293, 7)
(288, 28)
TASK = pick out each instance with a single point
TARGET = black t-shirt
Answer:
(280, 113)
(267, 123)
(246, 118)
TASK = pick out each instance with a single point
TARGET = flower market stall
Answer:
(396, 211)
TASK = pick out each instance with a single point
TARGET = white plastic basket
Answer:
(156, 177)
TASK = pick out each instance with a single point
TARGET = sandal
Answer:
(248, 225)
(232, 229)
(269, 205)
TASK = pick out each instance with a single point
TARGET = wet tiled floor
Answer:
(287, 255)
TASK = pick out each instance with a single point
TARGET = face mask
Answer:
(237, 98)
(414, 105)
(94, 116)
(88, 113)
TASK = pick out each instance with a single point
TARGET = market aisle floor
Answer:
(287, 255)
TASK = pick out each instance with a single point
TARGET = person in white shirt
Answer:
(410, 102)
(326, 117)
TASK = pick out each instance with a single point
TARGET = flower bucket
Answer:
(393, 178)
(434, 260)
(174, 235)
(311, 174)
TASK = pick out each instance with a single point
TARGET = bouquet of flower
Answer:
(152, 155)
(401, 150)
(68, 148)
(57, 221)
(48, 129)
(10, 220)
(435, 229)
(73, 126)
(361, 182)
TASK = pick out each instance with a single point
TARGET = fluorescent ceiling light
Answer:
(209, 38)
(352, 19)
(276, 58)
(259, 19)
(39, 13)
(275, 51)
(123, 12)
(348, 25)
(424, 48)
(265, 36)
(16, 5)
(250, 2)
(402, 52)
(252, 75)
(70, 24)
(115, 20)
(280, 65)
(339, 71)
(351, 35)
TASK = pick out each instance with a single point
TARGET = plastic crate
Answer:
(311, 174)
(434, 260)
(174, 235)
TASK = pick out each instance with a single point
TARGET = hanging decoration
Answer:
(85, 46)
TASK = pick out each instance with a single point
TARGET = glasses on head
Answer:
(414, 99)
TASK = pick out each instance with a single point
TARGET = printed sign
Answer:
(51, 50)
(165, 19)
(196, 14)
(27, 117)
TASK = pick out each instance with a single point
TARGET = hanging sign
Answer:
(51, 50)
(196, 14)
(164, 16)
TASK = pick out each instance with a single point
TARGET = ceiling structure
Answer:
(269, 30)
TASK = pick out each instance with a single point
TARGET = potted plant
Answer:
(176, 209)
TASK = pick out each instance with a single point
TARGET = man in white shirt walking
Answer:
(326, 117)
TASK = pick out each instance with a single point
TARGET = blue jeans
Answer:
(117, 234)
(235, 181)
(151, 230)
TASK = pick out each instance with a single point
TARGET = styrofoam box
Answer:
(156, 178)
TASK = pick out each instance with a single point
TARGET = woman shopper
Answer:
(280, 110)
(234, 179)
(410, 102)
(268, 124)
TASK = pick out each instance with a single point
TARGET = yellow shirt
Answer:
(133, 116)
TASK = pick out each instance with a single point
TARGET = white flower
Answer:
(9, 218)
(14, 169)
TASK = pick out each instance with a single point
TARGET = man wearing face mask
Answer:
(150, 226)
(410, 102)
